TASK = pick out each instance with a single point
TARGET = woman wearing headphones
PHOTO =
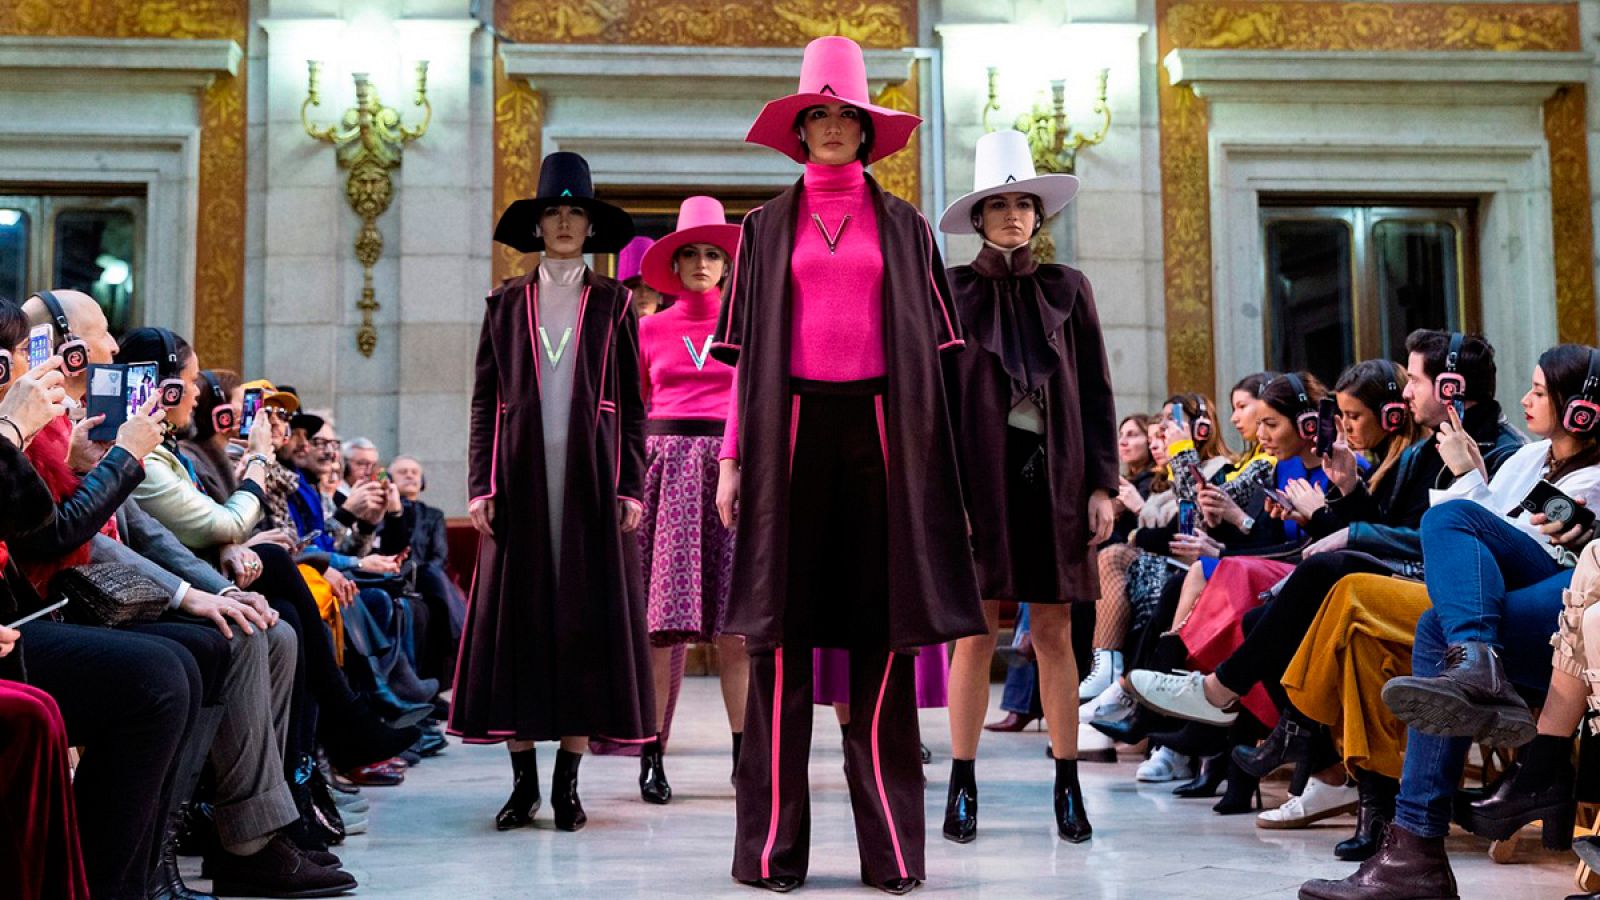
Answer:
(216, 424)
(1036, 436)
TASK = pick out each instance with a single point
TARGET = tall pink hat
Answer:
(833, 71)
(631, 256)
(701, 220)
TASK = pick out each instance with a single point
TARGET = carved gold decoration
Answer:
(219, 240)
(901, 173)
(1052, 139)
(1321, 25)
(712, 23)
(1573, 228)
(518, 119)
(368, 141)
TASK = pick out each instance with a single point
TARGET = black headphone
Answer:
(1202, 421)
(1392, 415)
(1582, 412)
(223, 418)
(1451, 385)
(1305, 422)
(73, 351)
(171, 389)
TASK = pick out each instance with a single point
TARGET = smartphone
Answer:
(249, 408)
(1177, 414)
(107, 397)
(140, 385)
(1280, 498)
(38, 346)
(38, 613)
(1327, 425)
(383, 476)
(1188, 517)
(308, 540)
(1197, 476)
(1557, 507)
(1461, 409)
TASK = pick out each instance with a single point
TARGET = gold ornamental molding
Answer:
(219, 241)
(519, 110)
(1318, 25)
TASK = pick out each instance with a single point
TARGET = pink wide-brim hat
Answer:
(833, 71)
(701, 220)
(632, 256)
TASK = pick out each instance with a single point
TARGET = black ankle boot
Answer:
(653, 786)
(1072, 819)
(1472, 699)
(564, 792)
(961, 805)
(1373, 815)
(1547, 795)
(1289, 742)
(167, 883)
(1212, 774)
(1136, 727)
(1243, 794)
(524, 801)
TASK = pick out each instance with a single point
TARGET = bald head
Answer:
(88, 323)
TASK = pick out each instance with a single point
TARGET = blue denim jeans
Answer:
(1021, 695)
(1488, 582)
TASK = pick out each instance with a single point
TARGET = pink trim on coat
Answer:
(883, 433)
(794, 428)
(877, 771)
(531, 296)
(777, 735)
(944, 305)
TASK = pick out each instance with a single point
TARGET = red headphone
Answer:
(1305, 422)
(1582, 412)
(223, 417)
(1392, 415)
(5, 367)
(1202, 421)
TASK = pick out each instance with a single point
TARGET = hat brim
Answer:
(656, 267)
(1054, 193)
(774, 127)
(613, 228)
(289, 402)
(307, 422)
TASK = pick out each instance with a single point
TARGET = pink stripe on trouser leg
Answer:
(777, 734)
(877, 770)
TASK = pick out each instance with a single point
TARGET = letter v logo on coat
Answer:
(699, 356)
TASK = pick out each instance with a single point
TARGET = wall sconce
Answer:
(368, 141)
(1055, 144)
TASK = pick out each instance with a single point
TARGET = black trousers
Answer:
(883, 766)
(130, 700)
(1280, 626)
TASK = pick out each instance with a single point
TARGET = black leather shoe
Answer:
(1194, 739)
(1072, 819)
(1206, 784)
(653, 786)
(1134, 728)
(899, 886)
(1406, 867)
(564, 800)
(780, 884)
(1502, 813)
(961, 810)
(277, 871)
(1290, 742)
(1472, 699)
(1243, 794)
(166, 883)
(524, 801)
(1374, 812)
(397, 713)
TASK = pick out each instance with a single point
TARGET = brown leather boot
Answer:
(1472, 699)
(1406, 867)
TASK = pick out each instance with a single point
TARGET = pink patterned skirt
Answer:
(687, 555)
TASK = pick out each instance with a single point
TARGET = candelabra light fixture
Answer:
(1054, 142)
(368, 142)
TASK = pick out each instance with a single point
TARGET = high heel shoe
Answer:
(564, 792)
(1072, 819)
(1134, 728)
(524, 802)
(961, 805)
(1011, 723)
(1373, 814)
(653, 786)
(1290, 742)
(1243, 794)
(1206, 784)
(1499, 815)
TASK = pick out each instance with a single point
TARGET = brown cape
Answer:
(540, 661)
(933, 595)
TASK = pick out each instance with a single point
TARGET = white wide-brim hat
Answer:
(1004, 165)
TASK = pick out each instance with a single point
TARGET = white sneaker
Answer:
(1113, 705)
(1105, 672)
(1165, 765)
(1182, 695)
(354, 823)
(1320, 801)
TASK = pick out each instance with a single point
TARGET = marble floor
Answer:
(433, 838)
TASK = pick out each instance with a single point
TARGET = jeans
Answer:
(1021, 694)
(1490, 582)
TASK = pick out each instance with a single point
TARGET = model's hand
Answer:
(260, 440)
(374, 564)
(629, 514)
(728, 492)
(274, 536)
(1101, 518)
(256, 602)
(1341, 468)
(481, 512)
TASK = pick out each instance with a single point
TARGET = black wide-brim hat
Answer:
(564, 180)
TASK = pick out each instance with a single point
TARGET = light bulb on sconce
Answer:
(1054, 143)
(367, 142)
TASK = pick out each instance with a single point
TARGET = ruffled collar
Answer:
(995, 261)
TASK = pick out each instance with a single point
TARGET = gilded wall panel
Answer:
(1573, 231)
(518, 115)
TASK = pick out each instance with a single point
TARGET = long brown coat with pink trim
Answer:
(552, 651)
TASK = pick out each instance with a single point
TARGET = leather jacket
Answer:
(80, 515)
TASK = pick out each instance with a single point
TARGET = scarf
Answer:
(1020, 320)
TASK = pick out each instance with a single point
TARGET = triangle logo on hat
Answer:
(828, 89)
(1009, 179)
(566, 192)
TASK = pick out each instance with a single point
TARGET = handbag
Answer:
(109, 594)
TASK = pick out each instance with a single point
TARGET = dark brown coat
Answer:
(933, 593)
(1080, 416)
(540, 662)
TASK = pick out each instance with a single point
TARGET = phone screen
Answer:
(140, 385)
(38, 346)
(1177, 414)
(1327, 425)
(247, 415)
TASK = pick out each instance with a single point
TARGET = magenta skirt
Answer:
(831, 676)
(686, 554)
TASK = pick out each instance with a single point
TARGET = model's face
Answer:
(832, 133)
(1158, 444)
(181, 415)
(1133, 445)
(1275, 432)
(1538, 409)
(407, 477)
(1243, 415)
(646, 301)
(1362, 429)
(700, 266)
(1008, 219)
(1418, 394)
(564, 228)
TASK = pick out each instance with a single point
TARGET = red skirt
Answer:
(1216, 627)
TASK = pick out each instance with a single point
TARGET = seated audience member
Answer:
(430, 551)
(207, 446)
(1484, 633)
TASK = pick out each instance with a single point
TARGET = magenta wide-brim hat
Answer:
(832, 71)
(656, 267)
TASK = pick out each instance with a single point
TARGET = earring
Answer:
(538, 231)
(591, 231)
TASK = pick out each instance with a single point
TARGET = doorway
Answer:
(86, 240)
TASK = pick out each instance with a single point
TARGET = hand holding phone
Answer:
(38, 345)
(1557, 507)
(1327, 425)
(247, 414)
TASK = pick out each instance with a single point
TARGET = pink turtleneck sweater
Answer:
(836, 325)
(681, 381)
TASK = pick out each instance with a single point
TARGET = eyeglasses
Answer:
(325, 443)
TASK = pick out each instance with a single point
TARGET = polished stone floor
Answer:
(434, 836)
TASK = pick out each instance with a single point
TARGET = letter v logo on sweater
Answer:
(699, 356)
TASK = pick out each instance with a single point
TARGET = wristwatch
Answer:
(1248, 525)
